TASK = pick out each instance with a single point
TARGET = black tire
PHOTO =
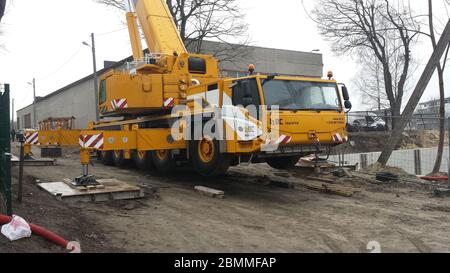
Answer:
(218, 164)
(107, 158)
(119, 160)
(143, 162)
(163, 161)
(283, 163)
(99, 155)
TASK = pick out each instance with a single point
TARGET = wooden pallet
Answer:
(109, 189)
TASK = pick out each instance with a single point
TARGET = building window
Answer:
(27, 121)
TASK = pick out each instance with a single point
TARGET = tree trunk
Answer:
(395, 112)
(437, 163)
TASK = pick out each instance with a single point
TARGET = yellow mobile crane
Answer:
(169, 93)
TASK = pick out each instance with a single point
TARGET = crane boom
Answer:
(159, 29)
(135, 40)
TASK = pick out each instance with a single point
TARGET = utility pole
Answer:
(94, 62)
(416, 95)
(34, 104)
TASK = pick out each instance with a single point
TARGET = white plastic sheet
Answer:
(17, 229)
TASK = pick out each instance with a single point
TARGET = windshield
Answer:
(298, 95)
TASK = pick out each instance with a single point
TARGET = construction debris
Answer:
(441, 192)
(366, 177)
(386, 177)
(312, 162)
(316, 186)
(331, 189)
(322, 179)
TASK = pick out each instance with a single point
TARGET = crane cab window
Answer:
(246, 93)
(102, 93)
(197, 65)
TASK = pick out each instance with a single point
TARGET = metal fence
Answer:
(414, 161)
(416, 152)
(5, 150)
(382, 121)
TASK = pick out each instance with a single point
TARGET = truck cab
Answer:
(277, 119)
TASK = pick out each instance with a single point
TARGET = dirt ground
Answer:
(253, 216)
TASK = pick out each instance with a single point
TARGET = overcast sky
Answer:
(43, 39)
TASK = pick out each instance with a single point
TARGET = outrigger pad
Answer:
(85, 180)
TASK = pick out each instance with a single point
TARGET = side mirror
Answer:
(348, 104)
(345, 93)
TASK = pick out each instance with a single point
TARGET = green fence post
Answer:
(5, 150)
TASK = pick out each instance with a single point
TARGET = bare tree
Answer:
(372, 27)
(201, 20)
(369, 81)
(440, 72)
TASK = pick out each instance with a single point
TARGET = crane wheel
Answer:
(206, 157)
(119, 160)
(107, 158)
(162, 161)
(143, 160)
(283, 163)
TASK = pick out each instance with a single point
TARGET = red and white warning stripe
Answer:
(337, 138)
(169, 102)
(283, 139)
(91, 141)
(119, 104)
(32, 138)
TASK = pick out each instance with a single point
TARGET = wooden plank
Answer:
(368, 179)
(330, 189)
(321, 179)
(33, 162)
(209, 191)
(317, 186)
(347, 173)
(110, 189)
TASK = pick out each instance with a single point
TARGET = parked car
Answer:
(368, 121)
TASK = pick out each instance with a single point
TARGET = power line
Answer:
(75, 54)
(109, 32)
(61, 66)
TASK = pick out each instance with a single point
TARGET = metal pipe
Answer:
(448, 161)
(94, 63)
(21, 163)
(34, 104)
